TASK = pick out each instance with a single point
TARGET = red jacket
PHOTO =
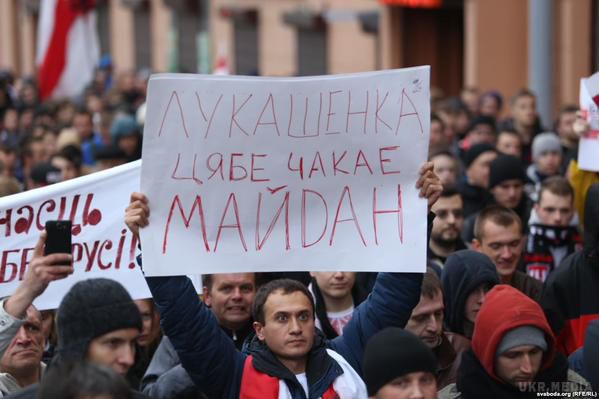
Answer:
(504, 309)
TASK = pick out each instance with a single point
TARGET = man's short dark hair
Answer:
(566, 109)
(208, 280)
(522, 93)
(286, 286)
(450, 191)
(499, 215)
(556, 185)
(511, 132)
(431, 284)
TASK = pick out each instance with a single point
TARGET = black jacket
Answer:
(463, 272)
(570, 300)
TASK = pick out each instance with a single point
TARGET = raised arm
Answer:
(393, 296)
(206, 352)
(41, 272)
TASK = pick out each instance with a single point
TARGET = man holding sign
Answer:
(287, 358)
(279, 174)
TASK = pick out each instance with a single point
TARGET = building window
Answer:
(143, 44)
(103, 21)
(188, 28)
(245, 25)
(312, 51)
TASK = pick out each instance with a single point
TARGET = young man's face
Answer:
(549, 163)
(475, 300)
(426, 320)
(420, 384)
(508, 193)
(565, 126)
(524, 111)
(509, 144)
(27, 347)
(437, 137)
(445, 167)
(555, 210)
(115, 349)
(519, 366)
(478, 171)
(502, 244)
(335, 285)
(288, 328)
(231, 298)
(449, 220)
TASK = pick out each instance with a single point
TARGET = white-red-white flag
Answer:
(67, 47)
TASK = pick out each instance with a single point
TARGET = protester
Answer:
(230, 297)
(570, 300)
(447, 226)
(481, 130)
(524, 119)
(473, 189)
(564, 128)
(547, 161)
(97, 321)
(498, 234)
(506, 184)
(147, 341)
(21, 338)
(336, 295)
(79, 380)
(398, 365)
(509, 142)
(446, 167)
(426, 322)
(467, 277)
(287, 348)
(553, 228)
(491, 104)
(21, 364)
(513, 353)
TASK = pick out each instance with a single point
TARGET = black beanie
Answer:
(475, 151)
(90, 309)
(506, 167)
(392, 353)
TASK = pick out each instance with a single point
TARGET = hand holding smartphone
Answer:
(58, 238)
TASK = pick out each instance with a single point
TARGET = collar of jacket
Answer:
(445, 354)
(321, 369)
(473, 380)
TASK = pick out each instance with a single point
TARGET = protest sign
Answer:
(102, 244)
(588, 148)
(273, 174)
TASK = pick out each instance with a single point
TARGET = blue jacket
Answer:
(216, 366)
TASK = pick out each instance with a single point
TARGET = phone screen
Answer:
(58, 239)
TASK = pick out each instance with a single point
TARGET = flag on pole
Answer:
(67, 47)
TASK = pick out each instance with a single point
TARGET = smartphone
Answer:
(58, 238)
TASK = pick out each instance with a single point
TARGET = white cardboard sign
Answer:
(279, 174)
(102, 244)
(588, 148)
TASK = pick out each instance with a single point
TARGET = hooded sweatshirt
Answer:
(570, 299)
(505, 308)
(463, 272)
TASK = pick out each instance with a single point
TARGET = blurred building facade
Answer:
(482, 43)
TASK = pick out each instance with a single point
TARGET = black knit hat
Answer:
(392, 353)
(475, 151)
(90, 309)
(506, 167)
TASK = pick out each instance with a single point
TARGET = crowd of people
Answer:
(506, 309)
